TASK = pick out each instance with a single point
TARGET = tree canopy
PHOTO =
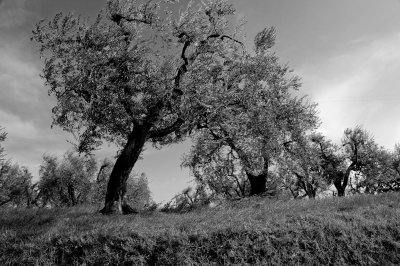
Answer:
(141, 73)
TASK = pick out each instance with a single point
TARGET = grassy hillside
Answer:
(361, 230)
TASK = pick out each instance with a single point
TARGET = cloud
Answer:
(13, 13)
(359, 86)
(25, 108)
(21, 89)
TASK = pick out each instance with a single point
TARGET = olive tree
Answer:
(244, 133)
(302, 165)
(139, 73)
(66, 182)
(383, 174)
(217, 167)
(16, 187)
(355, 156)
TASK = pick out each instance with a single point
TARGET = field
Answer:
(359, 230)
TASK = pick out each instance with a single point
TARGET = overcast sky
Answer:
(347, 53)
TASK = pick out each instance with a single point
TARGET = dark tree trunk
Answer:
(341, 191)
(257, 184)
(340, 187)
(71, 193)
(342, 180)
(311, 191)
(115, 202)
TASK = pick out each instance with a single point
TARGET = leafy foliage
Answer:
(16, 187)
(76, 180)
(383, 174)
(302, 165)
(217, 167)
(322, 162)
(3, 136)
(66, 182)
(244, 135)
(138, 74)
(127, 68)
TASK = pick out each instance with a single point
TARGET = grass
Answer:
(358, 230)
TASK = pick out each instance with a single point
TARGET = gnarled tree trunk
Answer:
(308, 187)
(342, 180)
(115, 202)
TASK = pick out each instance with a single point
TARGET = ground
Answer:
(359, 230)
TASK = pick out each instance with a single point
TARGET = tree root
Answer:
(126, 209)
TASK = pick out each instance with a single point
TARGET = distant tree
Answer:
(301, 166)
(383, 174)
(394, 182)
(353, 157)
(66, 182)
(139, 73)
(3, 136)
(217, 167)
(16, 187)
(138, 193)
(99, 186)
(359, 149)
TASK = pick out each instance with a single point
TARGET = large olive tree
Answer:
(140, 72)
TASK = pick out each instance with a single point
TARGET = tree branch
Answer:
(159, 133)
(119, 19)
(183, 68)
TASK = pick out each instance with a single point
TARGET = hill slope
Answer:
(360, 230)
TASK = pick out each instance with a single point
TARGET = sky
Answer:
(346, 52)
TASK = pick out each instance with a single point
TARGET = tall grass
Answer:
(359, 230)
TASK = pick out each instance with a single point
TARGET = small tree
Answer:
(301, 166)
(15, 185)
(66, 182)
(383, 174)
(353, 157)
(138, 193)
(15, 182)
(137, 74)
(217, 167)
(359, 148)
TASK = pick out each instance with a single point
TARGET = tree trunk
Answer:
(115, 202)
(311, 191)
(342, 180)
(257, 183)
(71, 193)
(341, 191)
